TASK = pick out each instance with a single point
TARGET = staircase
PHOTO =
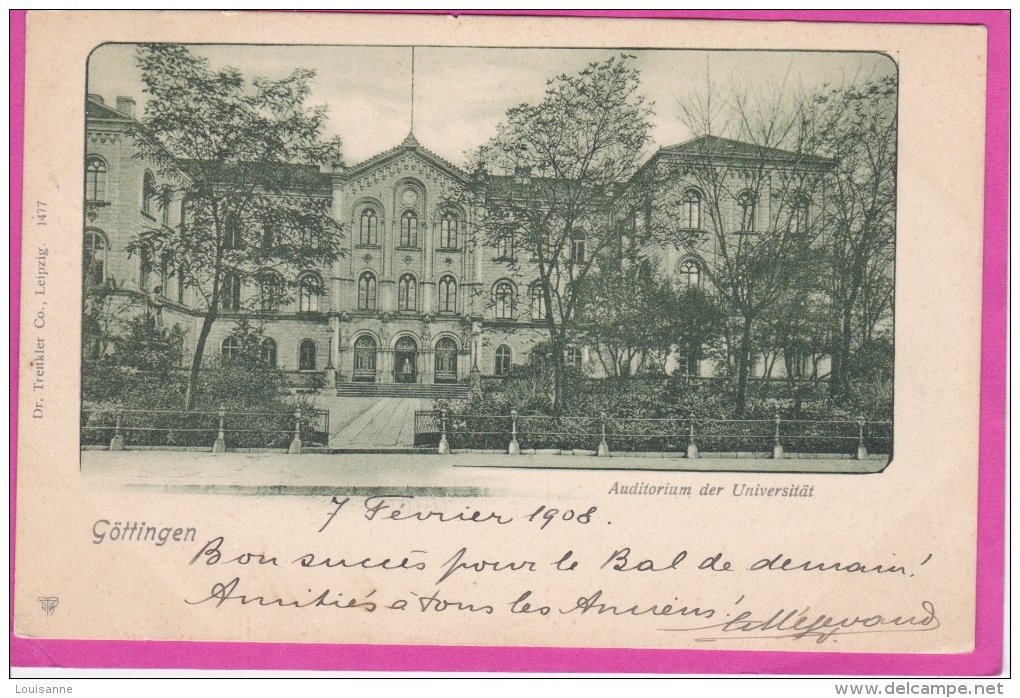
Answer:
(420, 391)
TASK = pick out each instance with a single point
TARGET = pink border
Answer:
(987, 656)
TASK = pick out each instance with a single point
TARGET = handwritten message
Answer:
(436, 575)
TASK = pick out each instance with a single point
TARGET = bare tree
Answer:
(759, 173)
(856, 126)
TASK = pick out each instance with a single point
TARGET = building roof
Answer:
(96, 108)
(714, 146)
(409, 145)
(277, 175)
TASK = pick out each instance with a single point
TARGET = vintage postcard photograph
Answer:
(500, 332)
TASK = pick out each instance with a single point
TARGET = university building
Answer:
(417, 296)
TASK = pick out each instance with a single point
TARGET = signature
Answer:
(799, 624)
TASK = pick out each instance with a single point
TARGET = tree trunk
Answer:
(196, 361)
(840, 380)
(743, 368)
(559, 371)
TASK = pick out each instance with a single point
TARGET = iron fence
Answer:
(218, 430)
(775, 437)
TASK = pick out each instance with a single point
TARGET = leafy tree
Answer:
(555, 167)
(245, 159)
(147, 346)
(634, 317)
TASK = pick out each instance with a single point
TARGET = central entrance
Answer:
(405, 361)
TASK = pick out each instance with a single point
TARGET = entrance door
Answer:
(364, 359)
(405, 361)
(446, 361)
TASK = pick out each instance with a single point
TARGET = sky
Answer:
(462, 94)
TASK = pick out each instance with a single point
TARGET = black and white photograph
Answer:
(410, 343)
(522, 258)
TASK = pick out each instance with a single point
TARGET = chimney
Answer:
(126, 105)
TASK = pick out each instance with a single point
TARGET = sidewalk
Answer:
(424, 474)
(371, 422)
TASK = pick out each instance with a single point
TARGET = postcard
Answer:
(515, 334)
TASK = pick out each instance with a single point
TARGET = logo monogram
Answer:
(49, 604)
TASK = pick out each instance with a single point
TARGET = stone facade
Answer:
(410, 300)
(413, 297)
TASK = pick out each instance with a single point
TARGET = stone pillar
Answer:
(344, 356)
(384, 365)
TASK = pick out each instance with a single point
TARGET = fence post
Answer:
(117, 442)
(515, 447)
(777, 450)
(220, 445)
(692, 448)
(295, 444)
(603, 446)
(862, 451)
(444, 444)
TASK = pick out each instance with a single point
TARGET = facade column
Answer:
(384, 365)
(346, 365)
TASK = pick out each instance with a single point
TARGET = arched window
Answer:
(409, 229)
(268, 350)
(448, 225)
(578, 242)
(309, 290)
(690, 275)
(504, 360)
(94, 258)
(149, 194)
(505, 247)
(537, 303)
(144, 267)
(799, 220)
(306, 355)
(407, 293)
(230, 293)
(364, 358)
(366, 291)
(270, 235)
(690, 210)
(503, 298)
(187, 211)
(575, 359)
(270, 291)
(232, 232)
(369, 227)
(446, 360)
(230, 349)
(95, 179)
(181, 275)
(165, 197)
(747, 202)
(447, 295)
